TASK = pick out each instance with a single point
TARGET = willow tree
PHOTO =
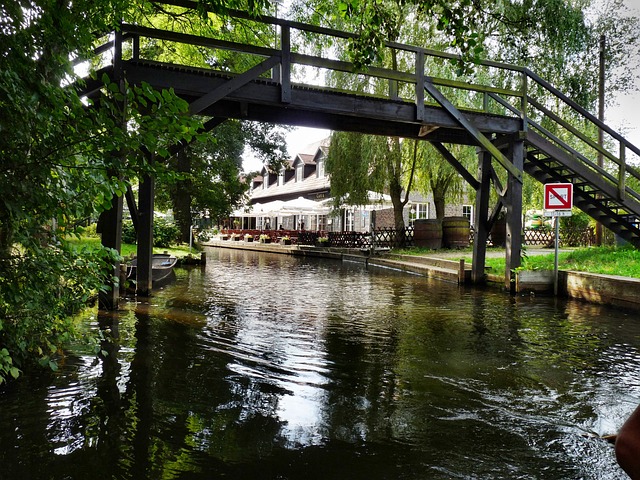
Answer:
(359, 164)
(555, 39)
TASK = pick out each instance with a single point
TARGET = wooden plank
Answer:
(144, 249)
(133, 209)
(200, 41)
(513, 250)
(348, 67)
(594, 178)
(111, 227)
(315, 102)
(481, 224)
(285, 65)
(574, 131)
(592, 118)
(377, 72)
(418, 86)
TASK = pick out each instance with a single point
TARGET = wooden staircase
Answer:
(560, 152)
(595, 190)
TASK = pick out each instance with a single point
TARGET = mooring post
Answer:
(111, 230)
(111, 220)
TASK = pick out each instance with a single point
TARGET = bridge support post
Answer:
(111, 230)
(513, 245)
(110, 222)
(144, 278)
(481, 217)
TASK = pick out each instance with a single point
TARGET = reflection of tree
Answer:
(109, 414)
(386, 376)
(185, 399)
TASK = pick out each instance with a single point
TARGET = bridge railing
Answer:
(312, 56)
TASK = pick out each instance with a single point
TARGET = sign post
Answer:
(558, 201)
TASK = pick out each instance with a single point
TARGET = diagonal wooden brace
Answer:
(235, 83)
(471, 180)
(469, 127)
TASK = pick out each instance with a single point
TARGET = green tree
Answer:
(64, 160)
(435, 175)
(511, 31)
(210, 182)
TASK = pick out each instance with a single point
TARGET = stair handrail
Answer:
(585, 113)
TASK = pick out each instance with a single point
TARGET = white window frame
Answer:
(467, 211)
(349, 220)
(420, 211)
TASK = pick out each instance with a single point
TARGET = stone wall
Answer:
(384, 218)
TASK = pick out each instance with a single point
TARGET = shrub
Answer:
(165, 234)
(128, 232)
(39, 291)
(574, 230)
(89, 230)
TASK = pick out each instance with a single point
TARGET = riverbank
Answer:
(453, 266)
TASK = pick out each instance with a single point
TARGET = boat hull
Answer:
(161, 269)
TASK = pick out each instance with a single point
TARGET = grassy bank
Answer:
(623, 261)
(129, 249)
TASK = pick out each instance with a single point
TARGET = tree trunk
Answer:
(395, 192)
(6, 241)
(440, 187)
(438, 201)
(181, 198)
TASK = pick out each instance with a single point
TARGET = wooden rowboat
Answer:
(161, 268)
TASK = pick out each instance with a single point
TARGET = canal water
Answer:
(262, 366)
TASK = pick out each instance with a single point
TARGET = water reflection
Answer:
(263, 366)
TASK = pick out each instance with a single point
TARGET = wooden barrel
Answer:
(455, 232)
(427, 233)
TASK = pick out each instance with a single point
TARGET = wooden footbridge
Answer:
(519, 123)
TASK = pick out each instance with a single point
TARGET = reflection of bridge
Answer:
(524, 125)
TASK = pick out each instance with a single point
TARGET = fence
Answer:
(391, 238)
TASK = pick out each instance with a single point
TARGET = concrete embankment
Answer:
(611, 290)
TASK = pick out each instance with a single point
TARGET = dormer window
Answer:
(320, 167)
(281, 177)
(299, 172)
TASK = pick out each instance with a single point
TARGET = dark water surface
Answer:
(270, 367)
